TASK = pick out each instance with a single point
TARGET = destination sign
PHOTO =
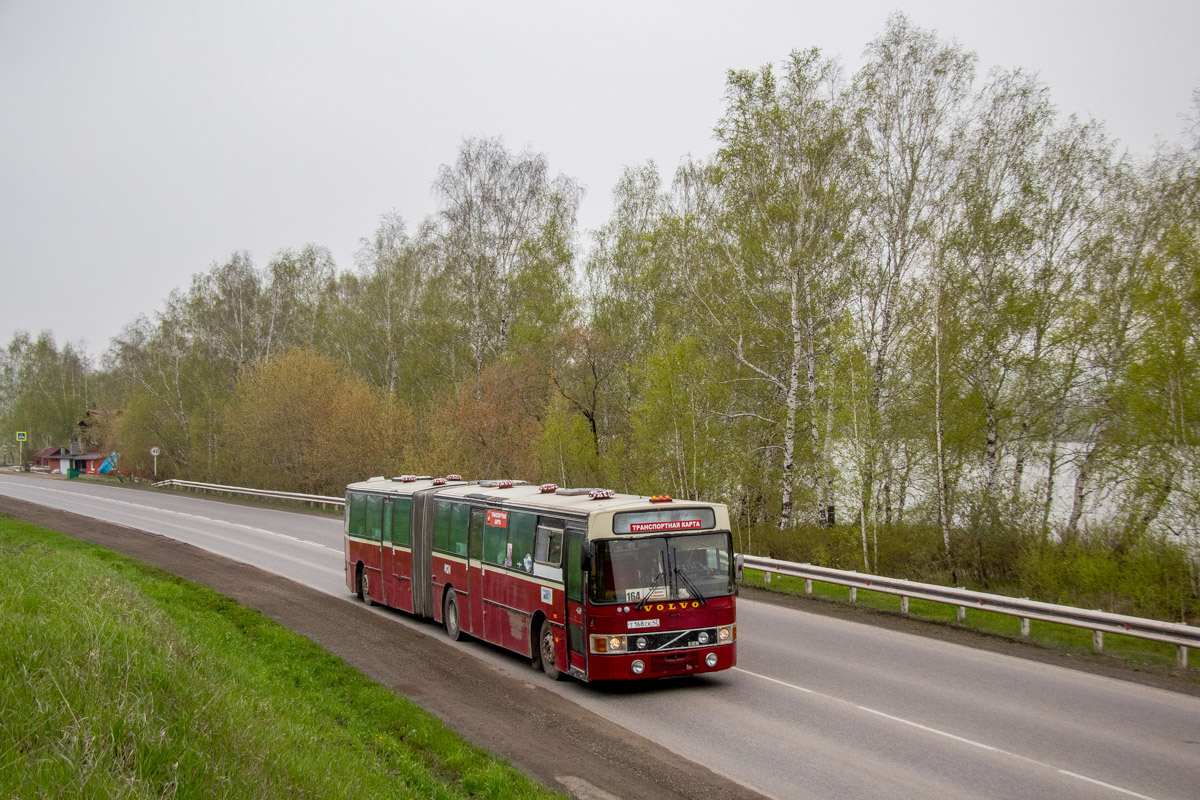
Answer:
(667, 525)
(664, 520)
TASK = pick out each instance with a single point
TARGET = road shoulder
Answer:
(544, 735)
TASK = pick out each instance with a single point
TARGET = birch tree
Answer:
(297, 288)
(1069, 176)
(499, 213)
(783, 238)
(1119, 256)
(379, 324)
(991, 245)
(910, 92)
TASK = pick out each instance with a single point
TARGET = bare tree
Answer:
(494, 208)
(909, 95)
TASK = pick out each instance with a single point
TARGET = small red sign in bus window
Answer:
(497, 519)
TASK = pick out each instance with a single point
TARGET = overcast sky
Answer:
(142, 142)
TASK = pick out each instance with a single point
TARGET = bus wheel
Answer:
(547, 652)
(366, 590)
(450, 616)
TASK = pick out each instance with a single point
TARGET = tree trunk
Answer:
(789, 427)
(1051, 471)
(1081, 480)
(939, 425)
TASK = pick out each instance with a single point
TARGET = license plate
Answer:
(642, 623)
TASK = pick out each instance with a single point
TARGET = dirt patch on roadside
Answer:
(1110, 666)
(544, 735)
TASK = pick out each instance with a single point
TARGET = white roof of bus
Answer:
(527, 495)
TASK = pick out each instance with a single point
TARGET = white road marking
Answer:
(213, 520)
(945, 734)
(928, 729)
(1105, 785)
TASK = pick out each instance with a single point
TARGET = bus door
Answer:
(475, 572)
(373, 560)
(576, 585)
(400, 589)
(387, 556)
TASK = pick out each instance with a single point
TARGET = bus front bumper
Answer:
(633, 666)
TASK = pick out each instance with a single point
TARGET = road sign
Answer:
(154, 451)
(22, 436)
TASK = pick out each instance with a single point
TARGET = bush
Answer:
(1148, 577)
(1143, 575)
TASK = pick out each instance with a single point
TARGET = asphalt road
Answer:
(818, 706)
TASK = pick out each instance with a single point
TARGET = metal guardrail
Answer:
(320, 499)
(1099, 622)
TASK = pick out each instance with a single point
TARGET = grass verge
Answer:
(118, 680)
(1138, 654)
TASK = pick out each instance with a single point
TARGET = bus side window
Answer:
(495, 540)
(441, 526)
(476, 531)
(520, 535)
(460, 514)
(357, 514)
(401, 517)
(374, 526)
(548, 547)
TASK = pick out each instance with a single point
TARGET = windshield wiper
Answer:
(642, 604)
(691, 586)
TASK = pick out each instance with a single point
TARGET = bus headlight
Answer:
(711, 659)
(638, 666)
(608, 644)
(641, 643)
(724, 635)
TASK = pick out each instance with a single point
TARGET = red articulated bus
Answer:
(585, 582)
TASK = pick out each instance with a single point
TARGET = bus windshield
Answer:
(689, 567)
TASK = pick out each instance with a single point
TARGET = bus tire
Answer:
(450, 616)
(546, 652)
(366, 589)
(535, 642)
(358, 581)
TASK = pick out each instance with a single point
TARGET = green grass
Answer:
(1134, 652)
(121, 681)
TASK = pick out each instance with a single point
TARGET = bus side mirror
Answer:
(585, 556)
(739, 564)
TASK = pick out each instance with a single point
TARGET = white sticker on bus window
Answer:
(508, 555)
(547, 595)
